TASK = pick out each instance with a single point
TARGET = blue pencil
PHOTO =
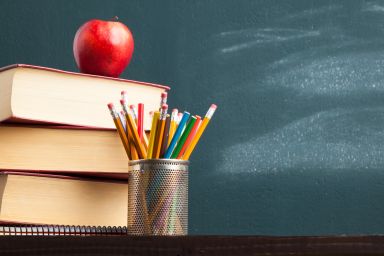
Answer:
(176, 137)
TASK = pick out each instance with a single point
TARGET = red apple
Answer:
(103, 47)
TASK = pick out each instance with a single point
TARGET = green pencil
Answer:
(184, 137)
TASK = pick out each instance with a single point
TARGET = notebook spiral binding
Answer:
(61, 230)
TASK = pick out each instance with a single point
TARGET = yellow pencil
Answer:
(160, 131)
(172, 127)
(133, 130)
(199, 132)
(120, 129)
(152, 135)
(134, 154)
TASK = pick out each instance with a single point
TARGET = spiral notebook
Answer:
(60, 230)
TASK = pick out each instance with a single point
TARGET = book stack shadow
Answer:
(63, 168)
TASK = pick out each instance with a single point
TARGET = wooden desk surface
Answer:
(192, 245)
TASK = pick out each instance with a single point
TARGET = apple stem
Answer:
(115, 18)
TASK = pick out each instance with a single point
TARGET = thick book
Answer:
(45, 95)
(61, 230)
(65, 149)
(53, 199)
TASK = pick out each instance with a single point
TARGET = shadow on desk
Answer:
(192, 245)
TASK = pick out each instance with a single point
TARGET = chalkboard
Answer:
(296, 146)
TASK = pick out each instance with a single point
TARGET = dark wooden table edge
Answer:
(192, 245)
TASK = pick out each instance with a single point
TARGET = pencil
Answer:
(165, 136)
(126, 130)
(124, 96)
(140, 120)
(119, 128)
(172, 127)
(176, 137)
(152, 134)
(132, 147)
(190, 136)
(184, 136)
(135, 117)
(163, 99)
(178, 119)
(134, 154)
(134, 112)
(199, 132)
(132, 128)
(122, 120)
(160, 131)
(147, 133)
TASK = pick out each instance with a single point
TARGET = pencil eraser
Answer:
(180, 114)
(123, 92)
(122, 102)
(175, 110)
(164, 106)
(164, 95)
(132, 106)
(110, 106)
(213, 106)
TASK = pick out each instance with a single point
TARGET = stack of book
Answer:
(61, 160)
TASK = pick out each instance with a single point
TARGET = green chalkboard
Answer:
(296, 146)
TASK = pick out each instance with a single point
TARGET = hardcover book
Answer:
(63, 149)
(28, 198)
(33, 94)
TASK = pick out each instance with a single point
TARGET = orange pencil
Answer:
(190, 136)
(160, 131)
(199, 132)
(120, 129)
(133, 130)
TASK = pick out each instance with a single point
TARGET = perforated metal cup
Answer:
(158, 197)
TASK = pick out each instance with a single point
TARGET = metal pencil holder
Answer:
(158, 197)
